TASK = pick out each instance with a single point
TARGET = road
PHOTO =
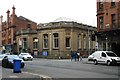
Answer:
(49, 68)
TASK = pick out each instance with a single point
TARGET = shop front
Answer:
(109, 40)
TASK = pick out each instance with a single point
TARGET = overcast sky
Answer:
(44, 11)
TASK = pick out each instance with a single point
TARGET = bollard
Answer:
(17, 66)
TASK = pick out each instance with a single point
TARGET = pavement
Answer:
(8, 74)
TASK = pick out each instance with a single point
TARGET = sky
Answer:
(45, 11)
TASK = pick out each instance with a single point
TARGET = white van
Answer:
(107, 57)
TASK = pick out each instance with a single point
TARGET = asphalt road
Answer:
(49, 68)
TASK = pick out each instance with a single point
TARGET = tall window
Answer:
(35, 43)
(9, 41)
(45, 41)
(113, 3)
(101, 4)
(24, 43)
(101, 22)
(55, 40)
(84, 37)
(3, 42)
(3, 34)
(113, 20)
(9, 32)
(67, 42)
(79, 41)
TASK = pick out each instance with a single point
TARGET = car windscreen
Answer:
(25, 54)
(13, 56)
(111, 54)
(1, 55)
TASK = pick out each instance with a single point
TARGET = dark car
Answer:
(8, 61)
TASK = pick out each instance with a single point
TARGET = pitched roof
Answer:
(25, 19)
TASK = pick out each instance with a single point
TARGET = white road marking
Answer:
(13, 76)
(63, 60)
(41, 76)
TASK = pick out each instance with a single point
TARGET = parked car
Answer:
(2, 55)
(26, 56)
(105, 57)
(8, 61)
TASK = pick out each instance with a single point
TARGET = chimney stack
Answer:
(8, 15)
(13, 16)
(13, 9)
(1, 19)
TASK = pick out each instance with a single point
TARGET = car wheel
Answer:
(31, 59)
(23, 58)
(22, 65)
(108, 63)
(95, 62)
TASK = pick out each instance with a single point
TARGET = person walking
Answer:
(78, 56)
(81, 54)
(72, 55)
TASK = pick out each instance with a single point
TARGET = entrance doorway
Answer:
(116, 48)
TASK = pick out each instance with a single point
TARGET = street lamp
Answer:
(106, 43)
(88, 42)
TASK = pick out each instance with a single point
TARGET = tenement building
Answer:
(108, 25)
(59, 38)
(9, 28)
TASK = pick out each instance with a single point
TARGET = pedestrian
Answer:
(32, 54)
(75, 55)
(81, 54)
(72, 55)
(78, 56)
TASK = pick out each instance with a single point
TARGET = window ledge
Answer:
(55, 48)
(45, 48)
(68, 47)
(113, 6)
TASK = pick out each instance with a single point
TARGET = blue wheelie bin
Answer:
(17, 66)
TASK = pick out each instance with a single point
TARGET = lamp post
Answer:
(88, 43)
(106, 44)
(50, 43)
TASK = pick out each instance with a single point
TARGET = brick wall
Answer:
(106, 12)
